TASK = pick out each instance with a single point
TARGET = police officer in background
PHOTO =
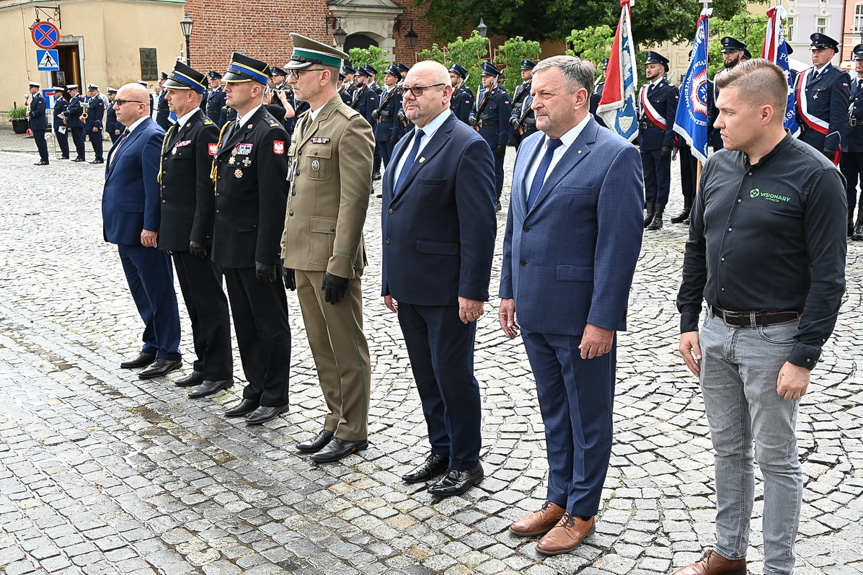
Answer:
(251, 169)
(215, 99)
(852, 148)
(372, 84)
(163, 114)
(112, 126)
(95, 117)
(186, 229)
(461, 102)
(491, 120)
(74, 123)
(346, 89)
(387, 128)
(365, 102)
(38, 121)
(61, 132)
(522, 121)
(733, 51)
(824, 94)
(283, 97)
(657, 106)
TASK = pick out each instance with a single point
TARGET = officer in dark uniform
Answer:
(346, 90)
(73, 121)
(596, 97)
(95, 117)
(283, 97)
(823, 93)
(38, 121)
(657, 107)
(112, 126)
(852, 148)
(250, 170)
(216, 99)
(60, 107)
(733, 52)
(186, 228)
(461, 103)
(365, 102)
(522, 121)
(491, 120)
(387, 128)
(163, 114)
(370, 108)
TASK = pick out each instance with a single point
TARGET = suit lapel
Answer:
(321, 117)
(574, 154)
(127, 143)
(530, 150)
(441, 136)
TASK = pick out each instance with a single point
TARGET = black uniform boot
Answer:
(684, 215)
(858, 229)
(656, 224)
(650, 210)
(851, 222)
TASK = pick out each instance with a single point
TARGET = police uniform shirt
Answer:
(852, 140)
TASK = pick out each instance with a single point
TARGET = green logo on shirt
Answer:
(776, 198)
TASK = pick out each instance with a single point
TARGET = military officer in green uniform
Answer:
(330, 173)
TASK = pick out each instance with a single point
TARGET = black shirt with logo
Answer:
(769, 237)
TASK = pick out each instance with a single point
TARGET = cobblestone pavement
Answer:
(103, 473)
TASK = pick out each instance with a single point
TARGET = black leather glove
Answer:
(334, 288)
(376, 114)
(472, 120)
(394, 140)
(198, 250)
(514, 123)
(665, 152)
(266, 273)
(831, 154)
(500, 150)
(402, 116)
(289, 277)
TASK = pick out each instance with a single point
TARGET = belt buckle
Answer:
(852, 121)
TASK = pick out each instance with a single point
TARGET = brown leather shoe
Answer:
(568, 534)
(712, 563)
(539, 522)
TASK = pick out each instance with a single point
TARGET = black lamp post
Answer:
(411, 37)
(340, 35)
(482, 28)
(186, 26)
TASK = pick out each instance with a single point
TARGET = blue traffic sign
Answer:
(47, 60)
(45, 35)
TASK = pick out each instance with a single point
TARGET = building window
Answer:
(821, 24)
(858, 18)
(791, 34)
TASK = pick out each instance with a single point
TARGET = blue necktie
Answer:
(409, 161)
(539, 178)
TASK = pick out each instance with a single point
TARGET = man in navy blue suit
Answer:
(573, 234)
(438, 230)
(131, 213)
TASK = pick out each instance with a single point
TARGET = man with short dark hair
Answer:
(766, 250)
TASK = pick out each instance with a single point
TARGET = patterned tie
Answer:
(409, 161)
(539, 178)
(117, 147)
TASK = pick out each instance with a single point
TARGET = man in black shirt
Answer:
(766, 250)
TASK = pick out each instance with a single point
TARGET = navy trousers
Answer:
(63, 141)
(260, 312)
(151, 282)
(41, 145)
(440, 348)
(96, 142)
(657, 176)
(78, 140)
(201, 285)
(851, 164)
(576, 400)
(688, 171)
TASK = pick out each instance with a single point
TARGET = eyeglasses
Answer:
(417, 91)
(120, 102)
(295, 74)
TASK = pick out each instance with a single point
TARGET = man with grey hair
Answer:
(572, 240)
(766, 250)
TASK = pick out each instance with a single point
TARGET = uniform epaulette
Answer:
(347, 111)
(208, 122)
(273, 124)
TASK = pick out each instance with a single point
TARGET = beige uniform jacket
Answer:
(331, 166)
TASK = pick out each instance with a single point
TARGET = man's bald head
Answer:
(433, 72)
(134, 104)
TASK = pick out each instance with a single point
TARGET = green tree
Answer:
(592, 44)
(654, 21)
(746, 27)
(469, 53)
(510, 55)
(373, 55)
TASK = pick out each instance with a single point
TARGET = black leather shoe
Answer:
(41, 163)
(79, 160)
(337, 449)
(317, 442)
(456, 482)
(210, 387)
(264, 414)
(245, 407)
(160, 367)
(143, 360)
(433, 466)
(191, 380)
(98, 162)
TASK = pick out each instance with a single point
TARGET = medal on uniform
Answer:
(232, 161)
(174, 151)
(234, 152)
(238, 173)
(247, 161)
(316, 165)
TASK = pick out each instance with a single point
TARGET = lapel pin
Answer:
(579, 151)
(422, 160)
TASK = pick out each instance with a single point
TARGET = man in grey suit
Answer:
(572, 240)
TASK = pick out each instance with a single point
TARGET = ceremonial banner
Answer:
(776, 51)
(617, 105)
(691, 119)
